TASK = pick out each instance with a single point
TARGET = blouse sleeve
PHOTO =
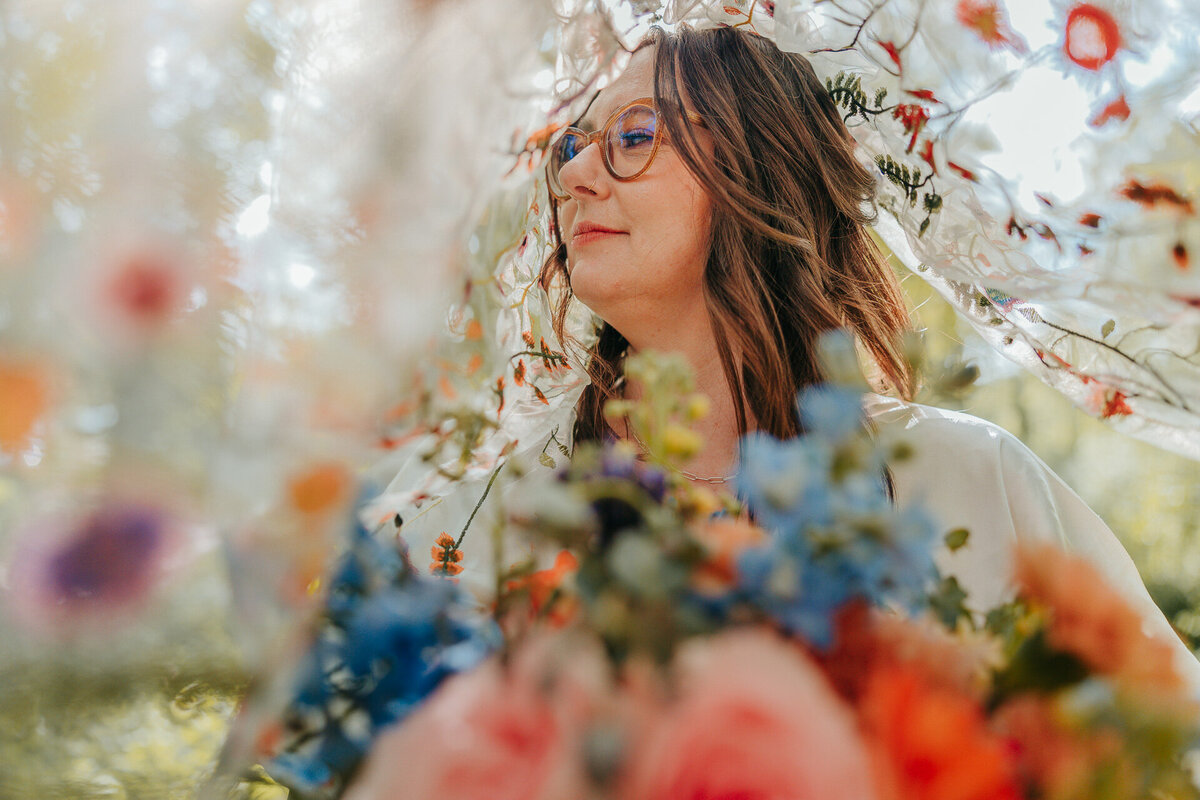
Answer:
(972, 474)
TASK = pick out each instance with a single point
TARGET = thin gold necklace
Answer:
(715, 479)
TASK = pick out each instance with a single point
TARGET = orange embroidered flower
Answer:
(1180, 254)
(1117, 109)
(1152, 195)
(933, 743)
(987, 19)
(446, 556)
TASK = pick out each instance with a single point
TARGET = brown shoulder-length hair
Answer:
(790, 256)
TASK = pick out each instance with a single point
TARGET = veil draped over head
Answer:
(1038, 166)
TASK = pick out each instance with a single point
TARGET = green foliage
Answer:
(948, 603)
(957, 538)
(847, 92)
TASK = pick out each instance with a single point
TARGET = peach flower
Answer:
(754, 719)
(723, 539)
(1089, 619)
(496, 733)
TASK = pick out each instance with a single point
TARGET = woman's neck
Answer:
(719, 429)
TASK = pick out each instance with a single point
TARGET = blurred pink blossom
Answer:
(755, 718)
(498, 732)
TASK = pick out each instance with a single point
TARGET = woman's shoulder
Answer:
(971, 473)
(965, 468)
(894, 416)
(955, 448)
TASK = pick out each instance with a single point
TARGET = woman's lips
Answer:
(594, 235)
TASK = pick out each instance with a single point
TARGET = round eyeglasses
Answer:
(629, 142)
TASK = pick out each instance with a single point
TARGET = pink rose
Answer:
(755, 720)
(496, 733)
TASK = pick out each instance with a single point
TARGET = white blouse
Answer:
(972, 474)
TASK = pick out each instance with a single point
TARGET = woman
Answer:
(709, 203)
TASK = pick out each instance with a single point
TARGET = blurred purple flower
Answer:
(103, 565)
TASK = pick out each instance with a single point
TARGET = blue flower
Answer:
(835, 534)
(388, 639)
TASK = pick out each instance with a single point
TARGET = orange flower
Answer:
(932, 743)
(542, 585)
(1090, 620)
(723, 538)
(446, 556)
(319, 488)
(24, 395)
(870, 639)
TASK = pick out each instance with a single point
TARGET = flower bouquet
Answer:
(796, 641)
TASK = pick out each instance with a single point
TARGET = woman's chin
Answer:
(592, 285)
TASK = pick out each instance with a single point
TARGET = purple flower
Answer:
(102, 564)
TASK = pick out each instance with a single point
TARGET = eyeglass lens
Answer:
(628, 143)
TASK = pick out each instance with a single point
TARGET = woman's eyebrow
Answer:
(584, 122)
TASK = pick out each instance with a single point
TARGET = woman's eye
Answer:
(569, 149)
(630, 139)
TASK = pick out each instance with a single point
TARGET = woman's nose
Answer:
(581, 176)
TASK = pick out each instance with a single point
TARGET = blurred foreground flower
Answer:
(71, 574)
(753, 718)
(836, 536)
(24, 398)
(387, 639)
(1090, 620)
(508, 730)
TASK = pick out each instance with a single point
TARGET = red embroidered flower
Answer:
(1092, 37)
(144, 290)
(1118, 109)
(913, 117)
(1154, 194)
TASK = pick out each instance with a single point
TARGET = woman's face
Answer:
(653, 261)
